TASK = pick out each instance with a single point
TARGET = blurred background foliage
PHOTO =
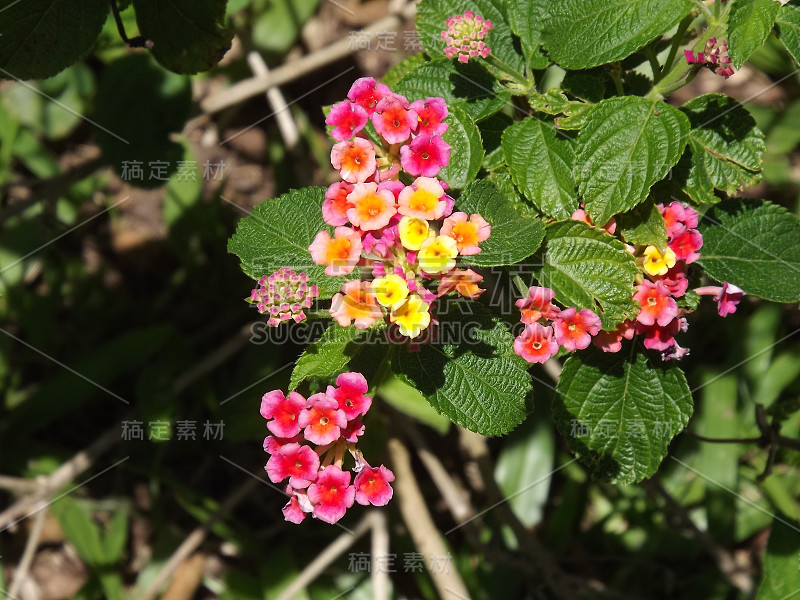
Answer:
(119, 303)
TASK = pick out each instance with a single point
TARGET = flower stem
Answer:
(654, 64)
(520, 285)
(515, 75)
(683, 27)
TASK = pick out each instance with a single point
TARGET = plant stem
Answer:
(654, 64)
(137, 42)
(616, 75)
(515, 75)
(683, 27)
(520, 285)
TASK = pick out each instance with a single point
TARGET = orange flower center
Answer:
(338, 250)
(466, 234)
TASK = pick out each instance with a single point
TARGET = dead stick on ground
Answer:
(61, 477)
(194, 539)
(380, 554)
(297, 68)
(326, 557)
(420, 524)
(30, 551)
(560, 585)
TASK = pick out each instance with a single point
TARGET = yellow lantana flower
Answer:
(413, 232)
(655, 263)
(412, 316)
(438, 255)
(390, 291)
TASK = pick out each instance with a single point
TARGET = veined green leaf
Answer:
(470, 373)
(619, 412)
(541, 166)
(755, 245)
(749, 24)
(627, 145)
(278, 233)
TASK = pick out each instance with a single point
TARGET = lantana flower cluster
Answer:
(714, 55)
(310, 437)
(662, 282)
(391, 213)
(547, 327)
(284, 295)
(464, 36)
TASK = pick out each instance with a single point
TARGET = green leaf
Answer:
(618, 412)
(278, 233)
(788, 28)
(469, 86)
(134, 131)
(587, 268)
(329, 354)
(188, 36)
(643, 225)
(34, 106)
(80, 530)
(626, 146)
(514, 236)
(184, 189)
(749, 24)
(725, 148)
(431, 21)
(755, 245)
(523, 468)
(116, 536)
(586, 33)
(410, 401)
(42, 37)
(525, 17)
(781, 575)
(403, 68)
(541, 166)
(277, 28)
(466, 154)
(470, 373)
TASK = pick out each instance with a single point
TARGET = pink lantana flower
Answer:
(675, 280)
(322, 422)
(431, 113)
(347, 119)
(537, 305)
(354, 430)
(657, 337)
(394, 119)
(351, 394)
(335, 205)
(535, 344)
(273, 443)
(354, 159)
(686, 245)
(728, 299)
(292, 511)
(341, 253)
(282, 412)
(372, 486)
(425, 155)
(423, 199)
(674, 215)
(356, 303)
(468, 232)
(657, 306)
(574, 329)
(366, 92)
(611, 341)
(726, 296)
(331, 494)
(299, 463)
(372, 208)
